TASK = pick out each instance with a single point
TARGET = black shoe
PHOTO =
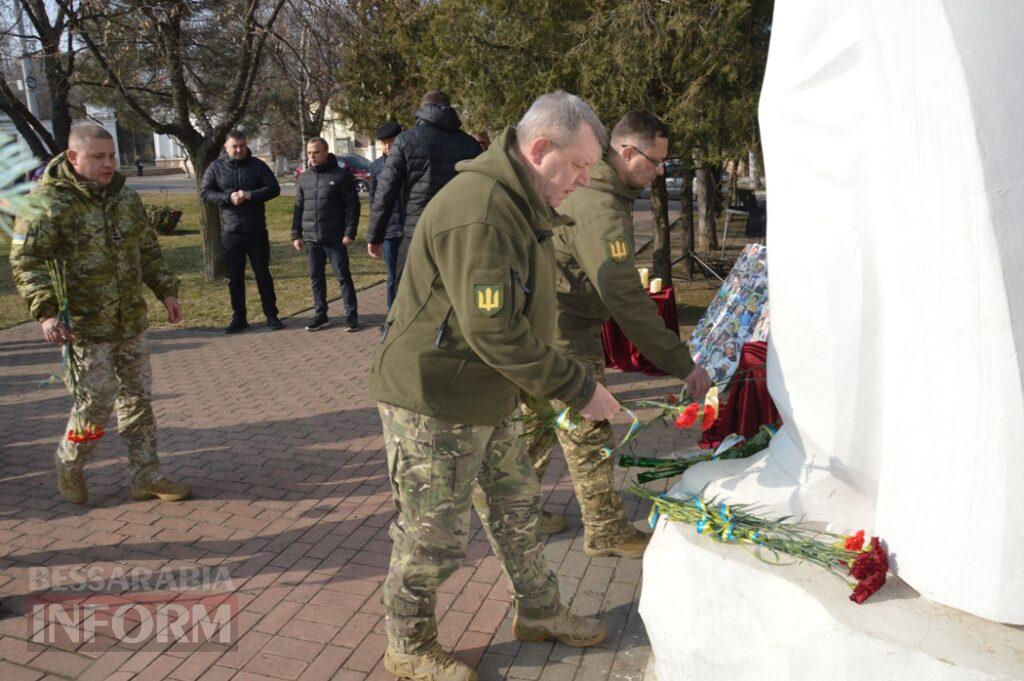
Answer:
(317, 323)
(351, 326)
(237, 325)
(274, 323)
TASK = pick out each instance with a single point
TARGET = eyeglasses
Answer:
(656, 164)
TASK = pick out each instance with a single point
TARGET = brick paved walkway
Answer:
(284, 452)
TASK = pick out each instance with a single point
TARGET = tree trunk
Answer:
(35, 145)
(734, 181)
(28, 126)
(60, 90)
(716, 188)
(707, 229)
(662, 265)
(756, 167)
(209, 222)
(686, 194)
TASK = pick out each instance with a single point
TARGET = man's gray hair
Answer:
(319, 140)
(83, 132)
(558, 116)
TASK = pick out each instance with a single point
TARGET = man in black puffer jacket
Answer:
(421, 161)
(324, 221)
(239, 184)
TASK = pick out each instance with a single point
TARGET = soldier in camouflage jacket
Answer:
(83, 216)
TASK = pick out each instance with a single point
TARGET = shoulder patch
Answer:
(489, 299)
(617, 249)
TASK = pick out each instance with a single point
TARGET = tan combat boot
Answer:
(551, 523)
(71, 483)
(433, 665)
(570, 629)
(630, 545)
(163, 489)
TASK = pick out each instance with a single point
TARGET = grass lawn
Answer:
(206, 304)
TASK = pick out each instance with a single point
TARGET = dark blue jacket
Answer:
(394, 230)
(226, 175)
(326, 203)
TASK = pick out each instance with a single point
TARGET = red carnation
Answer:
(868, 586)
(687, 417)
(855, 542)
(709, 417)
(869, 568)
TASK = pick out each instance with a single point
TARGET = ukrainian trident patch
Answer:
(617, 250)
(489, 298)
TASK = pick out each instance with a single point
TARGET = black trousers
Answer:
(403, 252)
(318, 255)
(257, 247)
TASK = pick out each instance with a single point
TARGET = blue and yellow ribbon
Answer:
(563, 421)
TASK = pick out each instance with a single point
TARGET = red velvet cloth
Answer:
(619, 351)
(749, 405)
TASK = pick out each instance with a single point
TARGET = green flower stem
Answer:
(774, 537)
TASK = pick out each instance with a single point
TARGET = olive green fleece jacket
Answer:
(474, 320)
(597, 277)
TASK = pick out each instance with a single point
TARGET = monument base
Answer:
(715, 611)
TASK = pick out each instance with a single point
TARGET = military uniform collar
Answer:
(603, 178)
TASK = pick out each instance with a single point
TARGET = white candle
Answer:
(645, 277)
(656, 285)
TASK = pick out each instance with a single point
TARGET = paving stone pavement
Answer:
(283, 448)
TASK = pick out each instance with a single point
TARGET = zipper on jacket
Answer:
(443, 328)
(384, 331)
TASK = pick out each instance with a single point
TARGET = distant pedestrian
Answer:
(393, 236)
(240, 184)
(138, 167)
(421, 161)
(324, 221)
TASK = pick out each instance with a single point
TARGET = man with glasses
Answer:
(597, 279)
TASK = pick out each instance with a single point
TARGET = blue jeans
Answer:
(319, 254)
(391, 260)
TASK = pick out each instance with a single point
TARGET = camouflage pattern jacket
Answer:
(107, 244)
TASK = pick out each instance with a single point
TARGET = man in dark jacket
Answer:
(421, 162)
(393, 236)
(325, 219)
(239, 184)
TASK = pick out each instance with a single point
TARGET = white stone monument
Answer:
(893, 137)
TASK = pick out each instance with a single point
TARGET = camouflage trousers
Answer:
(432, 465)
(603, 514)
(118, 375)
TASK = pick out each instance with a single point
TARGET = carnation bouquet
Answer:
(863, 565)
(846, 556)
